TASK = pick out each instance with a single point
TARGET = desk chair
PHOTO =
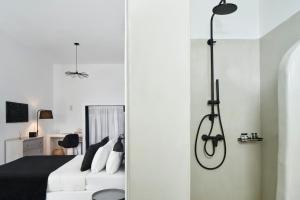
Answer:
(70, 141)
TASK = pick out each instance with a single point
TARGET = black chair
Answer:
(70, 141)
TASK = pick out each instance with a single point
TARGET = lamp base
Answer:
(32, 134)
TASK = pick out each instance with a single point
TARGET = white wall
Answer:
(273, 13)
(237, 67)
(244, 23)
(105, 86)
(273, 47)
(252, 20)
(26, 77)
(158, 100)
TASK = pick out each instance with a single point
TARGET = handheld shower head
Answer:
(224, 8)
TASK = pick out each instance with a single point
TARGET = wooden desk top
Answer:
(60, 135)
(25, 138)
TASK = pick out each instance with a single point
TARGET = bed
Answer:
(61, 179)
(68, 182)
(26, 178)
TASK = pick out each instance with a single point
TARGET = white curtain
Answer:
(105, 121)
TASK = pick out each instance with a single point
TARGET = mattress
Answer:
(102, 180)
(68, 177)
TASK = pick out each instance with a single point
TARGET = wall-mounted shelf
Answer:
(250, 140)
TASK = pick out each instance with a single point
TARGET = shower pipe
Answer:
(222, 8)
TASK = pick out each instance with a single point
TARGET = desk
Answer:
(52, 142)
(18, 147)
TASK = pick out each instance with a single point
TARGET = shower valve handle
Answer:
(212, 116)
(215, 139)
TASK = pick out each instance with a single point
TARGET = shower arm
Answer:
(212, 102)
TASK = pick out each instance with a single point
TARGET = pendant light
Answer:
(76, 73)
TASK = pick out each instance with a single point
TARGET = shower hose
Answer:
(211, 117)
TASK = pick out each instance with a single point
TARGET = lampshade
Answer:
(46, 114)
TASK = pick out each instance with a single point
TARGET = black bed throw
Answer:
(27, 177)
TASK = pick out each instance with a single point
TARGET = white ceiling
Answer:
(273, 13)
(252, 20)
(53, 25)
(242, 24)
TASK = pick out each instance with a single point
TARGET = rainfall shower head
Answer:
(224, 8)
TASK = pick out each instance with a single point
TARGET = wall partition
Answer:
(158, 99)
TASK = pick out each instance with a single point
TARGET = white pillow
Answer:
(114, 162)
(101, 156)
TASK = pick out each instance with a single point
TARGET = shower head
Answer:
(224, 8)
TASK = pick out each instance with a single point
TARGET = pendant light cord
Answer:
(76, 73)
(76, 59)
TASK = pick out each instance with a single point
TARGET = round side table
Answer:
(109, 194)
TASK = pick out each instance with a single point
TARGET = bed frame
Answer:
(70, 195)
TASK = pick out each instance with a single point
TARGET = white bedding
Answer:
(69, 178)
(102, 180)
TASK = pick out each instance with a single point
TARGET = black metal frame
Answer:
(87, 131)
